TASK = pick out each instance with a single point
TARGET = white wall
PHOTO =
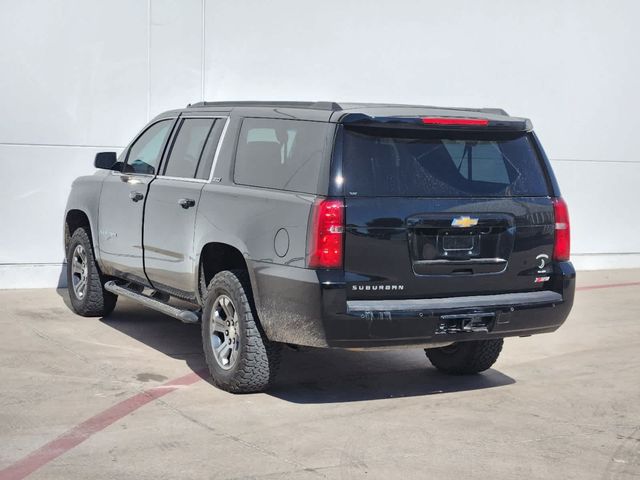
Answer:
(80, 76)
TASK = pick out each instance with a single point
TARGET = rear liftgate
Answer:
(457, 214)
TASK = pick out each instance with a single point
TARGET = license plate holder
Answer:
(458, 243)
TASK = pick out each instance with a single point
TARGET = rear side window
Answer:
(281, 154)
(209, 151)
(399, 162)
(188, 149)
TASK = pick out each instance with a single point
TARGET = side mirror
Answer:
(105, 160)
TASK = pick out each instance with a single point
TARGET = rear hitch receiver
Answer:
(481, 322)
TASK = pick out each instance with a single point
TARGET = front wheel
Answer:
(84, 281)
(240, 357)
(465, 358)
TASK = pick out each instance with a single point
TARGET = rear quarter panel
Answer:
(252, 220)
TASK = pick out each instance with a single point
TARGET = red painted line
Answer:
(78, 434)
(609, 285)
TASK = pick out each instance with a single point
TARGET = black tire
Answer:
(256, 358)
(464, 358)
(95, 301)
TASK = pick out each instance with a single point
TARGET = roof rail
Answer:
(330, 106)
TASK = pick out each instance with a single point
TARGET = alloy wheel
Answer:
(79, 271)
(225, 336)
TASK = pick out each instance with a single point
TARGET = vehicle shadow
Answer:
(162, 333)
(327, 376)
(63, 293)
(308, 375)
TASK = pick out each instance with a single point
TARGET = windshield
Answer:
(399, 162)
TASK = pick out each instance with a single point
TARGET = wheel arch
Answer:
(74, 219)
(216, 257)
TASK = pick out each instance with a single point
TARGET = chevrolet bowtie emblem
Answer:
(464, 222)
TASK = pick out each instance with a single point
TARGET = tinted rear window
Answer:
(399, 162)
(281, 154)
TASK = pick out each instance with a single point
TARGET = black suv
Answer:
(327, 225)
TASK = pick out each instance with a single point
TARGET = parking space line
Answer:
(86, 429)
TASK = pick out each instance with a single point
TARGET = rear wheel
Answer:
(240, 357)
(465, 358)
(84, 281)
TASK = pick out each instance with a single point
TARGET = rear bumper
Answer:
(318, 313)
(413, 307)
(377, 328)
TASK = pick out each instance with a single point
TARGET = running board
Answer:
(186, 316)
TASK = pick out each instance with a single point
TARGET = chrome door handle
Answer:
(186, 202)
(136, 196)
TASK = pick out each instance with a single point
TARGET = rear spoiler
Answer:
(440, 122)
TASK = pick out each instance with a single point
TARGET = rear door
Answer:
(173, 200)
(122, 203)
(439, 213)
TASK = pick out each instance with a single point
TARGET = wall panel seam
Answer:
(31, 264)
(594, 161)
(56, 145)
(202, 48)
(148, 59)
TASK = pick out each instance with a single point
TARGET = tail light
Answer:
(326, 232)
(562, 244)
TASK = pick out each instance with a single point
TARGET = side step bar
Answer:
(186, 316)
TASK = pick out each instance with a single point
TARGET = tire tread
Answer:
(97, 302)
(472, 357)
(260, 358)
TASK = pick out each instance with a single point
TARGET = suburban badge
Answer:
(376, 287)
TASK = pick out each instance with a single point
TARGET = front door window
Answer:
(144, 155)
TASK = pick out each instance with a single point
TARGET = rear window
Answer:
(404, 162)
(281, 154)
(186, 153)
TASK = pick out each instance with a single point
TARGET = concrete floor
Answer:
(556, 406)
